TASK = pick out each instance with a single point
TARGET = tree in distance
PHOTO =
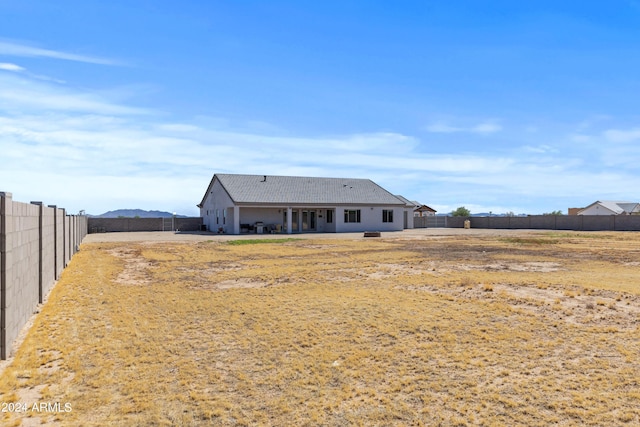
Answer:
(461, 211)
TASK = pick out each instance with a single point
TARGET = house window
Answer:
(217, 216)
(352, 216)
(224, 216)
(387, 215)
(329, 216)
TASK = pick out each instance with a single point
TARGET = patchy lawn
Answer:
(533, 330)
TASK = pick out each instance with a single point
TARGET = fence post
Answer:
(6, 244)
(55, 241)
(40, 262)
(64, 237)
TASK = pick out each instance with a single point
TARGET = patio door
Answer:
(309, 220)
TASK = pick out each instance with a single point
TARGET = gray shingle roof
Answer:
(305, 190)
(628, 207)
(408, 203)
(616, 206)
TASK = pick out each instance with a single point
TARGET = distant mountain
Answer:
(140, 213)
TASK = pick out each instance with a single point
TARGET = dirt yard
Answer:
(450, 327)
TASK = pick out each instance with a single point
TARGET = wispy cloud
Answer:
(89, 150)
(618, 135)
(486, 128)
(480, 128)
(440, 127)
(10, 67)
(20, 93)
(580, 138)
(7, 66)
(13, 48)
(540, 149)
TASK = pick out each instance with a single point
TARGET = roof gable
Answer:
(425, 208)
(615, 207)
(629, 207)
(270, 189)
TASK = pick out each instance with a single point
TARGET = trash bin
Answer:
(467, 224)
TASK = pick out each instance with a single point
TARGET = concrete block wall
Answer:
(68, 239)
(627, 223)
(33, 239)
(109, 225)
(544, 222)
(59, 244)
(552, 222)
(48, 267)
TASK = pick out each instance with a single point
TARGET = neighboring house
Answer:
(574, 211)
(424, 210)
(608, 207)
(237, 204)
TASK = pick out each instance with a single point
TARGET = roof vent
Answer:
(264, 179)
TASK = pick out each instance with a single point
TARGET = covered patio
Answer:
(284, 219)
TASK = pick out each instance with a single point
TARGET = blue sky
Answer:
(498, 106)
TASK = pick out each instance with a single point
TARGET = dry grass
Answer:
(478, 331)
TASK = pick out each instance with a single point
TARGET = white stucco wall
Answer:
(370, 219)
(217, 201)
(409, 214)
(597, 210)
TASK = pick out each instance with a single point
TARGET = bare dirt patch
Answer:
(235, 284)
(135, 271)
(540, 266)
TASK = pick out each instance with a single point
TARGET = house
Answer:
(573, 211)
(423, 210)
(237, 204)
(608, 207)
(410, 206)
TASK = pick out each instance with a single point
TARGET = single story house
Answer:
(424, 210)
(608, 207)
(409, 204)
(238, 204)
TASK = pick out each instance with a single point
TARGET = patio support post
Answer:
(236, 220)
(289, 220)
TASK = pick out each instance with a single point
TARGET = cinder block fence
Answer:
(110, 225)
(553, 222)
(36, 244)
